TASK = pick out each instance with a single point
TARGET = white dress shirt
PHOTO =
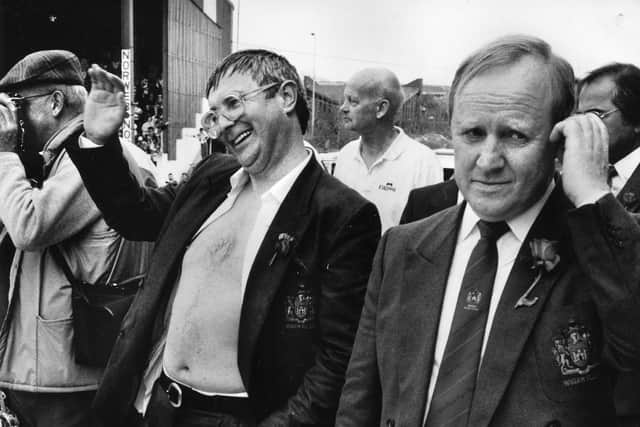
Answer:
(271, 201)
(508, 247)
(625, 168)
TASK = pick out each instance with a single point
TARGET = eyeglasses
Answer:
(18, 99)
(231, 108)
(602, 114)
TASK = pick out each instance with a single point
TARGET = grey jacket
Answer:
(36, 352)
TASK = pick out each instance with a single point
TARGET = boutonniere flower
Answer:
(545, 258)
(282, 246)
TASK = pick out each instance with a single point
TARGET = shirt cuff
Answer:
(84, 142)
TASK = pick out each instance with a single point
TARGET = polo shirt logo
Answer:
(387, 187)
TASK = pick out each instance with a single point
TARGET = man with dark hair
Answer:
(384, 164)
(613, 93)
(512, 308)
(41, 104)
(250, 308)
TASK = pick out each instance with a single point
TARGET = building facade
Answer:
(176, 45)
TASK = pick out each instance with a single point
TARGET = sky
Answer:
(428, 39)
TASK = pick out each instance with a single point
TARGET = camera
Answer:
(32, 161)
(17, 101)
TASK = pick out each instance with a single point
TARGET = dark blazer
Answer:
(593, 292)
(627, 391)
(293, 371)
(426, 201)
(629, 194)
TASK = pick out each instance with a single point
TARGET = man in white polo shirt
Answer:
(384, 164)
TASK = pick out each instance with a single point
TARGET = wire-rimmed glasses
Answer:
(602, 114)
(231, 108)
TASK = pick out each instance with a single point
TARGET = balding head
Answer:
(378, 84)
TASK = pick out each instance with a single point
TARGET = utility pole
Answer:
(238, 27)
(126, 33)
(313, 89)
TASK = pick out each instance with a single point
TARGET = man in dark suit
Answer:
(613, 93)
(251, 304)
(513, 307)
(426, 201)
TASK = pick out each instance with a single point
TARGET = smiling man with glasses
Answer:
(260, 268)
(612, 92)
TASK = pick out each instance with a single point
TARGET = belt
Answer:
(182, 396)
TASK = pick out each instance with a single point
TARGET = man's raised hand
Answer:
(105, 107)
(585, 159)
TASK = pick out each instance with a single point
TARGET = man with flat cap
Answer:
(44, 384)
(384, 164)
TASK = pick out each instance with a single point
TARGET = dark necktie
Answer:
(453, 394)
(611, 173)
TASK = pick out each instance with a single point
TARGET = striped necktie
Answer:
(453, 394)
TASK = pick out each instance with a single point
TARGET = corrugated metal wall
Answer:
(195, 45)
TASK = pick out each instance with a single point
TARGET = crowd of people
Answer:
(148, 106)
(279, 295)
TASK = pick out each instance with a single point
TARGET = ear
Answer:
(289, 95)
(382, 108)
(57, 103)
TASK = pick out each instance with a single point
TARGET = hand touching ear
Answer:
(585, 160)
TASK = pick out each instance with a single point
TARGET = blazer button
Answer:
(391, 423)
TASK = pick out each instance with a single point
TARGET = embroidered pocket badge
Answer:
(574, 354)
(301, 309)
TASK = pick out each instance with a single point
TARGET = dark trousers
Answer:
(632, 421)
(50, 409)
(160, 413)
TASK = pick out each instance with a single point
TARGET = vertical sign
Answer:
(126, 64)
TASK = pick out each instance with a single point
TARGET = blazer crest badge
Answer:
(573, 352)
(300, 309)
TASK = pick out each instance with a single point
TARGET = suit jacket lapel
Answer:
(511, 327)
(264, 280)
(425, 278)
(629, 195)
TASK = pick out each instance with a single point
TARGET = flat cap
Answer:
(43, 67)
